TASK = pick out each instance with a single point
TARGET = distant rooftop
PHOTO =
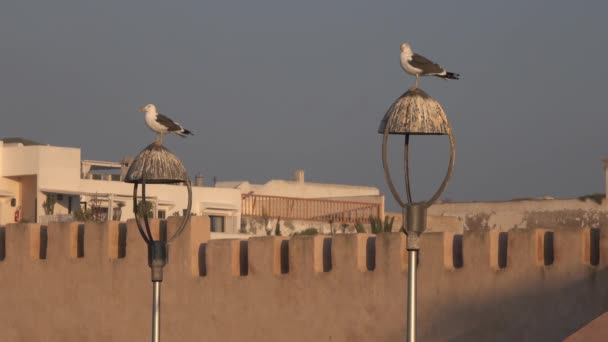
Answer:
(298, 179)
(19, 140)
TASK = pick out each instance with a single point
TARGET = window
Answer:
(162, 214)
(217, 223)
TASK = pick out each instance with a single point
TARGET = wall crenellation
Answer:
(308, 254)
(479, 285)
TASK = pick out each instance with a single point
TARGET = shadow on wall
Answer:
(536, 315)
(521, 285)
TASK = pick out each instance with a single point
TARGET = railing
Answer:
(308, 209)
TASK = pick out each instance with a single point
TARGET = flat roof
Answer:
(19, 140)
(102, 165)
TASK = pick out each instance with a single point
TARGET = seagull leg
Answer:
(416, 87)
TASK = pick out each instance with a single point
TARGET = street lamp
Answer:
(414, 113)
(156, 165)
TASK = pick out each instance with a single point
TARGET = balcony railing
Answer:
(308, 209)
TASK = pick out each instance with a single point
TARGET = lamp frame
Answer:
(158, 249)
(414, 213)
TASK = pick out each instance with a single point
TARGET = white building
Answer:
(31, 173)
(299, 188)
(298, 203)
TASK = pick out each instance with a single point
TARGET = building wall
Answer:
(286, 188)
(606, 177)
(176, 194)
(62, 206)
(6, 210)
(255, 225)
(433, 223)
(19, 160)
(228, 199)
(35, 171)
(58, 167)
(348, 287)
(568, 213)
(29, 198)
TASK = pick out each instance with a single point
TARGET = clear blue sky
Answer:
(272, 86)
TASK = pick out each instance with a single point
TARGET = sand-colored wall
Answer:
(12, 187)
(532, 213)
(20, 160)
(255, 225)
(31, 204)
(285, 188)
(313, 288)
(433, 223)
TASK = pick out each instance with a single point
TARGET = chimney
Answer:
(298, 176)
(199, 179)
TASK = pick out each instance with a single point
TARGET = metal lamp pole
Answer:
(157, 165)
(414, 113)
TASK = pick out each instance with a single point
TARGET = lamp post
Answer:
(157, 165)
(414, 113)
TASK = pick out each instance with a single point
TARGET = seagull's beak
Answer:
(142, 109)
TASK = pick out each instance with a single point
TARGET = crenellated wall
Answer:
(71, 282)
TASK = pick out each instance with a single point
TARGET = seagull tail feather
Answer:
(451, 76)
(184, 133)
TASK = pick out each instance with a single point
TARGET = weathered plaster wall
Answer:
(255, 225)
(286, 188)
(433, 223)
(347, 288)
(568, 213)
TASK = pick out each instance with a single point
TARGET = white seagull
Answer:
(417, 65)
(162, 124)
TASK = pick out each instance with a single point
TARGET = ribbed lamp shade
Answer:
(158, 164)
(415, 112)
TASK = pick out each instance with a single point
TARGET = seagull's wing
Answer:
(424, 64)
(170, 124)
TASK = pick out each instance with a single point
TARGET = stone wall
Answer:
(433, 223)
(70, 282)
(532, 213)
(255, 225)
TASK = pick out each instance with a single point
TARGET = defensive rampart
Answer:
(71, 282)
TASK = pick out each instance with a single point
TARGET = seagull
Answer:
(417, 65)
(162, 124)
